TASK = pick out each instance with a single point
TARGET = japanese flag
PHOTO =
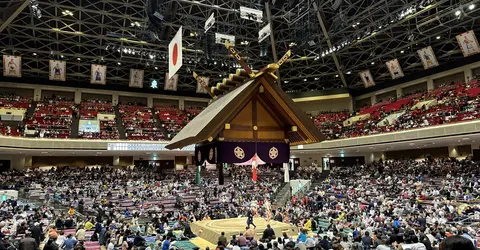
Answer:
(175, 59)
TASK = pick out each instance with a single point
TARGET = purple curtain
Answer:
(238, 152)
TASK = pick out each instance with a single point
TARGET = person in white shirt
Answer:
(111, 246)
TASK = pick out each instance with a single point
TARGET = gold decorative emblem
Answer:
(210, 154)
(239, 153)
(273, 153)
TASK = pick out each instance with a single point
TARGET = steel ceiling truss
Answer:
(100, 31)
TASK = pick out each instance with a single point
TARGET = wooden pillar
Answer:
(220, 173)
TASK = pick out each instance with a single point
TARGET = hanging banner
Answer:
(136, 78)
(428, 57)
(200, 88)
(264, 33)
(57, 70)
(468, 43)
(210, 22)
(12, 66)
(175, 54)
(367, 78)
(99, 74)
(251, 14)
(221, 38)
(394, 68)
(171, 83)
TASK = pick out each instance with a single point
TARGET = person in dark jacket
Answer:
(28, 243)
(51, 245)
(268, 233)
(36, 232)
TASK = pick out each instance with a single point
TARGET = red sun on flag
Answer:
(175, 54)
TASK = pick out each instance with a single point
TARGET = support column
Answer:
(399, 92)
(286, 174)
(220, 174)
(373, 99)
(430, 85)
(37, 94)
(474, 146)
(78, 96)
(198, 179)
(181, 103)
(452, 151)
(150, 102)
(116, 160)
(468, 74)
(18, 163)
(28, 161)
(114, 99)
(272, 39)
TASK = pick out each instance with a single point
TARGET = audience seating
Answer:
(52, 118)
(139, 123)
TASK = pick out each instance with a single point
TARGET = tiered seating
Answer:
(453, 103)
(91, 108)
(9, 131)
(139, 123)
(52, 118)
(14, 102)
(17, 103)
(172, 118)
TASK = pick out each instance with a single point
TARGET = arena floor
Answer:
(211, 230)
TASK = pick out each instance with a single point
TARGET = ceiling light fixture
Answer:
(457, 13)
(471, 7)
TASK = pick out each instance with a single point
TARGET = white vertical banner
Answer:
(221, 38)
(175, 54)
(367, 78)
(394, 68)
(264, 33)
(171, 83)
(210, 22)
(136, 78)
(200, 88)
(468, 43)
(251, 14)
(57, 70)
(12, 66)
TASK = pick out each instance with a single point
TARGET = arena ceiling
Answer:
(331, 40)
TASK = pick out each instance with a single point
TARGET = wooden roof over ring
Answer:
(210, 124)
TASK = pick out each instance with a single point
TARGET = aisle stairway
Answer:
(75, 126)
(283, 195)
(120, 127)
(31, 109)
(158, 125)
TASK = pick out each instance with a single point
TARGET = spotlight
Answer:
(119, 63)
(349, 72)
(156, 68)
(304, 80)
(34, 53)
(457, 13)
(61, 56)
(402, 51)
(438, 37)
(316, 78)
(471, 7)
(336, 75)
(79, 59)
(285, 81)
(373, 63)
